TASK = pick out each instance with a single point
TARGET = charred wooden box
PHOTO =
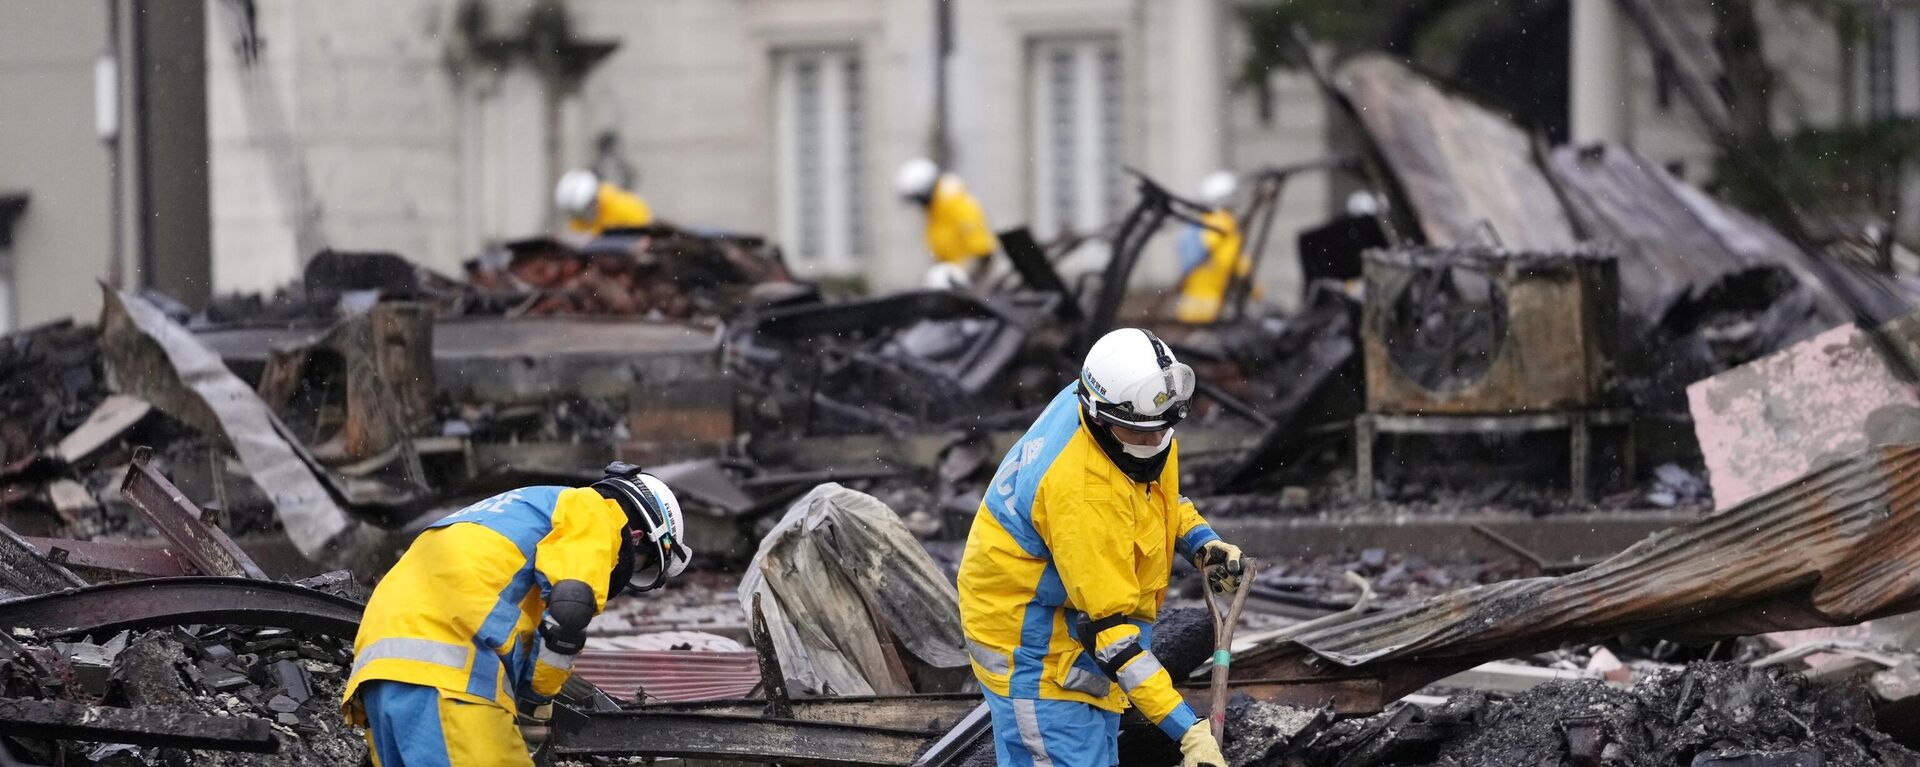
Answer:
(1489, 332)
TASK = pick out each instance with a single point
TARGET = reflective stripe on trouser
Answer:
(413, 726)
(1052, 733)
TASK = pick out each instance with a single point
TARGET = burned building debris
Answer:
(164, 475)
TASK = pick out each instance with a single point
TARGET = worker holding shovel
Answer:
(1068, 561)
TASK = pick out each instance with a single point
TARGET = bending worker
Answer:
(484, 614)
(1210, 255)
(593, 206)
(957, 231)
(1068, 561)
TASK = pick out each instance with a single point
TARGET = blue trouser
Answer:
(409, 725)
(1052, 733)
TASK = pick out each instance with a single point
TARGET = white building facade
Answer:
(782, 117)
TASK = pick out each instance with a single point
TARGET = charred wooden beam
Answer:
(60, 720)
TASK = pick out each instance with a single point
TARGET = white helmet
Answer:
(946, 276)
(1132, 380)
(1362, 203)
(576, 193)
(1218, 188)
(656, 547)
(916, 178)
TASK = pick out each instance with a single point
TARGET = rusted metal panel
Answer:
(122, 558)
(209, 548)
(183, 601)
(1462, 167)
(1770, 420)
(1536, 332)
(24, 571)
(60, 720)
(670, 675)
(1838, 545)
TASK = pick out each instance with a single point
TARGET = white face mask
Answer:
(1149, 451)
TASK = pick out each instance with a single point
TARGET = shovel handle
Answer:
(1223, 648)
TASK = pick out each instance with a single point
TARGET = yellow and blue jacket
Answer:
(957, 230)
(1212, 258)
(615, 208)
(461, 609)
(1065, 540)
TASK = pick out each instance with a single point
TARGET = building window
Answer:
(1893, 64)
(820, 130)
(1075, 90)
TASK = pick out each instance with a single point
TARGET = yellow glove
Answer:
(1198, 747)
(1221, 561)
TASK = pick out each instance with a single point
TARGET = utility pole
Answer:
(942, 50)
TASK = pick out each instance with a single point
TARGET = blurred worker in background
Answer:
(469, 637)
(593, 206)
(1210, 255)
(957, 230)
(1067, 564)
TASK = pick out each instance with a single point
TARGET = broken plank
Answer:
(59, 720)
(692, 736)
(116, 414)
(933, 713)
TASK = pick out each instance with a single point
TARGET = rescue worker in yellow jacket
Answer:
(593, 206)
(957, 231)
(1067, 564)
(483, 616)
(1210, 254)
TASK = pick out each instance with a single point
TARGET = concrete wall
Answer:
(345, 134)
(49, 150)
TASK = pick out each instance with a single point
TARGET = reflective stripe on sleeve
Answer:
(1081, 680)
(1138, 672)
(548, 657)
(1107, 654)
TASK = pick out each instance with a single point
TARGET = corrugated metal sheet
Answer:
(1837, 546)
(1677, 239)
(1461, 166)
(670, 675)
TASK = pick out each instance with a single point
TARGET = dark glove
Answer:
(1223, 565)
